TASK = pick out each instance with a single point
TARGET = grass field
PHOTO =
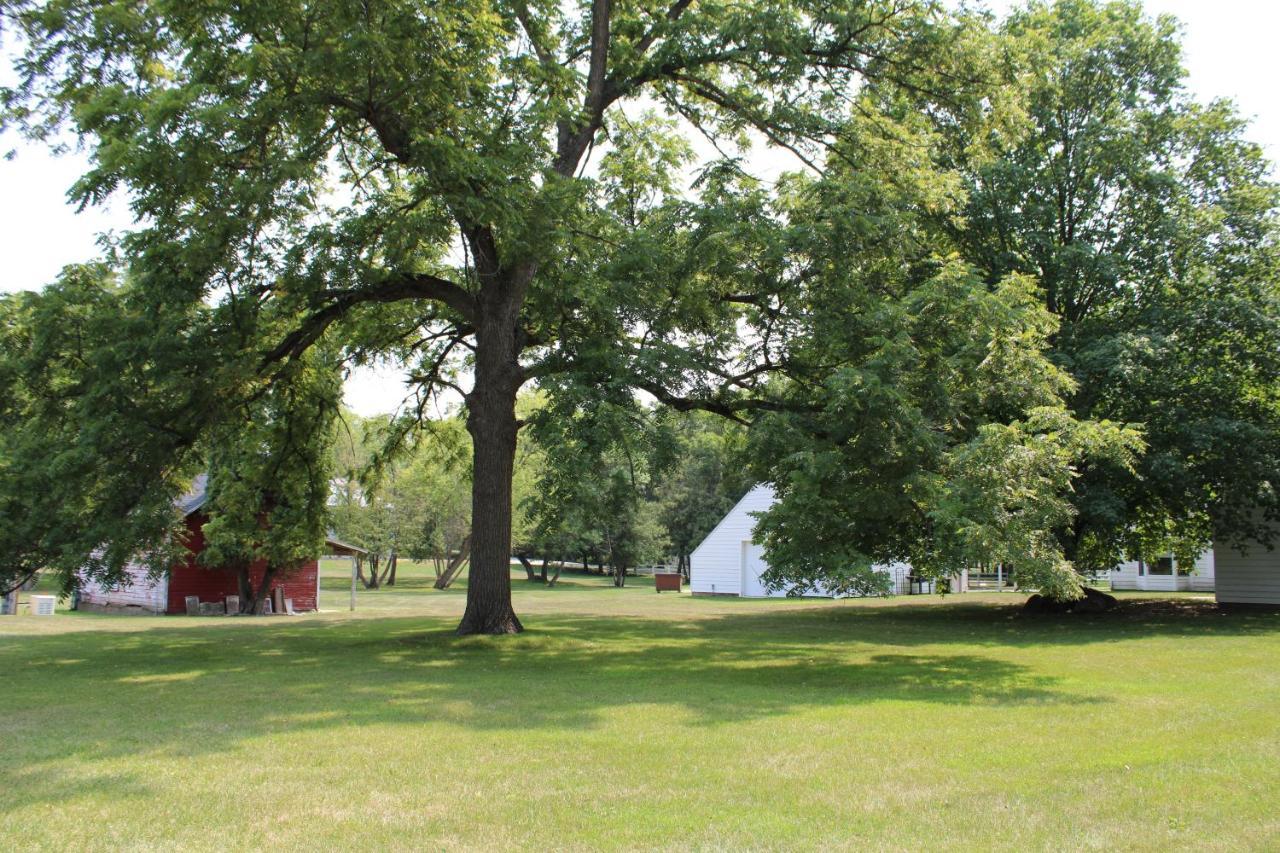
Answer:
(625, 719)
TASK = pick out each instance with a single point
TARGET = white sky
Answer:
(1230, 52)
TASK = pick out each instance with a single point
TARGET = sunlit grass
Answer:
(626, 719)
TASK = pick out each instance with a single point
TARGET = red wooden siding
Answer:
(189, 577)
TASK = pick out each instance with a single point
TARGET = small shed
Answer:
(188, 577)
(727, 562)
(1165, 574)
(1248, 572)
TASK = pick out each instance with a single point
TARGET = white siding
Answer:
(716, 565)
(141, 591)
(727, 557)
(1125, 576)
(1249, 578)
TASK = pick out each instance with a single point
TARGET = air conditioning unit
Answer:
(43, 605)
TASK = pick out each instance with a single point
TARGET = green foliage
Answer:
(102, 402)
(402, 498)
(1149, 222)
(596, 493)
(270, 471)
(310, 170)
(705, 478)
(416, 181)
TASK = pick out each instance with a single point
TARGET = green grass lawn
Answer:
(625, 719)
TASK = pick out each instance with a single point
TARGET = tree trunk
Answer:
(392, 562)
(246, 589)
(372, 582)
(556, 576)
(491, 421)
(456, 562)
(544, 570)
(253, 600)
(528, 568)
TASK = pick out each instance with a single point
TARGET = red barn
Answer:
(188, 577)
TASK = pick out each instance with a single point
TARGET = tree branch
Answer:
(399, 289)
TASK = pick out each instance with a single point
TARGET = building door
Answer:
(752, 565)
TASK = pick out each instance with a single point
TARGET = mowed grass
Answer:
(625, 719)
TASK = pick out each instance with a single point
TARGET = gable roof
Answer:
(760, 493)
(196, 496)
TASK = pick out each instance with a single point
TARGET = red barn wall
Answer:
(188, 577)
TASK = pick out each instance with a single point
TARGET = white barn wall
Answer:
(1249, 578)
(141, 591)
(716, 565)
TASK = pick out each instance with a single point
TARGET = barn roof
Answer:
(339, 546)
(196, 496)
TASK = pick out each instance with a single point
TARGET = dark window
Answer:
(1142, 569)
(1162, 566)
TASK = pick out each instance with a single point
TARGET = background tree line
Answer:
(610, 487)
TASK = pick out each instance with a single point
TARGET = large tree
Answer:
(1114, 237)
(1149, 222)
(416, 179)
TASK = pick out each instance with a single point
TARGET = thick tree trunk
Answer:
(556, 576)
(253, 600)
(491, 420)
(544, 570)
(392, 562)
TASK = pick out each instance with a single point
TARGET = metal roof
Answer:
(334, 542)
(195, 498)
(198, 495)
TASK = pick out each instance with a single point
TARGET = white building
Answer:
(727, 562)
(1247, 573)
(1165, 574)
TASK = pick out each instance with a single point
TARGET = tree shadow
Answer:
(204, 688)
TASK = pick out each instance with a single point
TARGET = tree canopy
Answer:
(1150, 223)
(506, 193)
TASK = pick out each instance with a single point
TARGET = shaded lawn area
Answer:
(625, 719)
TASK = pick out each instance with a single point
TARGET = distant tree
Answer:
(595, 495)
(398, 497)
(705, 478)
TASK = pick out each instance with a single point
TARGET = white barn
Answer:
(1247, 573)
(727, 562)
(1165, 574)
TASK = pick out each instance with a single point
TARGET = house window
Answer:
(1162, 566)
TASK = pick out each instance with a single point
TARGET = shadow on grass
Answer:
(95, 695)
